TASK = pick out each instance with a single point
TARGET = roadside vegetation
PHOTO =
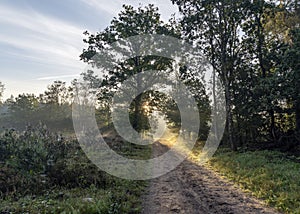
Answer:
(269, 175)
(43, 172)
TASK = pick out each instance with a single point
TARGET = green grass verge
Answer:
(268, 175)
(122, 197)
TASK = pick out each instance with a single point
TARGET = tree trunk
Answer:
(215, 106)
(297, 111)
(137, 117)
(229, 117)
(272, 126)
(138, 123)
(138, 106)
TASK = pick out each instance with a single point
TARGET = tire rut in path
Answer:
(191, 188)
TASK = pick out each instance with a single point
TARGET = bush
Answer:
(36, 159)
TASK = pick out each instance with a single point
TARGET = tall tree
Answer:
(56, 93)
(290, 70)
(130, 22)
(260, 47)
(216, 27)
(23, 108)
(282, 27)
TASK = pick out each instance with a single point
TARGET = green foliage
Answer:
(56, 93)
(214, 26)
(42, 172)
(129, 22)
(270, 176)
(254, 47)
(36, 155)
(27, 109)
(24, 106)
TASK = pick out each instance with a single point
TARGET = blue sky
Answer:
(40, 41)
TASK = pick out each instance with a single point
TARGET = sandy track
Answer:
(191, 188)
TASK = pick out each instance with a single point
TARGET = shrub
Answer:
(36, 159)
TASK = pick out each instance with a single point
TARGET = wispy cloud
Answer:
(112, 7)
(43, 44)
(58, 77)
(166, 7)
(43, 39)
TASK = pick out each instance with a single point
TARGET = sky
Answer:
(40, 41)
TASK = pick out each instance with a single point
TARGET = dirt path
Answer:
(191, 188)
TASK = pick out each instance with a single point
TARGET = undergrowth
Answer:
(43, 172)
(269, 175)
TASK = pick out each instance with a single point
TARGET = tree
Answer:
(23, 109)
(261, 47)
(290, 68)
(57, 93)
(281, 44)
(281, 21)
(216, 26)
(284, 25)
(291, 58)
(194, 81)
(130, 22)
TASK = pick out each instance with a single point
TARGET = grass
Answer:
(269, 175)
(124, 197)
